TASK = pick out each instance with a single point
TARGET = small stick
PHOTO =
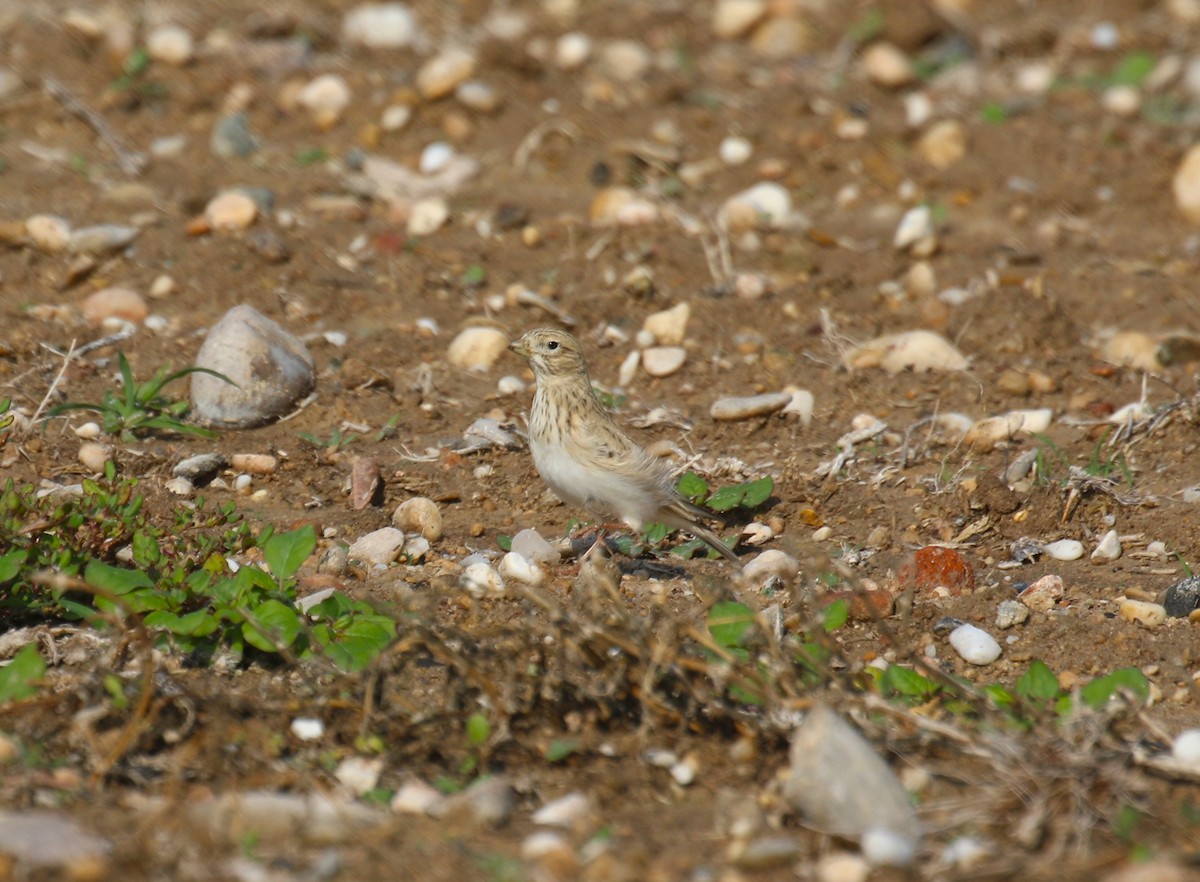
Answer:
(131, 162)
(49, 392)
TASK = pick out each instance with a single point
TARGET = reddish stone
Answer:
(935, 565)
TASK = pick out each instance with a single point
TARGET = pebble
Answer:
(1186, 747)
(1122, 100)
(1142, 611)
(1186, 185)
(93, 456)
(170, 44)
(416, 549)
(662, 361)
(44, 844)
(625, 60)
(886, 848)
(840, 784)
(771, 564)
(1010, 613)
(572, 50)
(442, 74)
(202, 468)
(428, 216)
(477, 348)
(918, 351)
(510, 385)
(379, 547)
(915, 232)
(1064, 549)
(395, 117)
(271, 368)
(121, 303)
(241, 484)
(975, 645)
(1108, 548)
(767, 852)
(842, 866)
(1181, 598)
(1133, 349)
(88, 431)
(621, 206)
(1044, 594)
(48, 232)
(886, 65)
(781, 38)
(231, 210)
(684, 772)
(629, 367)
(766, 204)
(736, 18)
(743, 408)
(231, 137)
(307, 729)
(669, 326)
(101, 239)
(735, 151)
(944, 144)
(380, 26)
(530, 544)
(801, 404)
(749, 286)
(359, 774)
(480, 581)
(325, 97)
(416, 798)
(255, 463)
(333, 561)
(822, 534)
(478, 96)
(515, 568)
(990, 431)
(574, 811)
(419, 515)
(435, 157)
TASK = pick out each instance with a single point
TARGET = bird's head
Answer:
(551, 352)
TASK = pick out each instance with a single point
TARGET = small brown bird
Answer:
(586, 458)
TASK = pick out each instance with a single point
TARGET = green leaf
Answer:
(10, 564)
(1133, 68)
(504, 541)
(19, 678)
(478, 729)
(115, 580)
(729, 622)
(692, 486)
(748, 495)
(1038, 683)
(561, 748)
(904, 681)
(271, 626)
(285, 552)
(654, 533)
(835, 616)
(1098, 692)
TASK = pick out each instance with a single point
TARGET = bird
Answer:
(586, 458)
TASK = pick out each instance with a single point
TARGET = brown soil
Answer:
(1089, 241)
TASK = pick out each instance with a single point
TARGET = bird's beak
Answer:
(515, 346)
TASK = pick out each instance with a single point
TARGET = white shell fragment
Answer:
(771, 564)
(766, 204)
(515, 568)
(662, 361)
(975, 645)
(990, 431)
(1152, 615)
(1108, 548)
(916, 226)
(419, 515)
(669, 326)
(480, 581)
(380, 547)
(530, 544)
(743, 408)
(918, 351)
(1064, 549)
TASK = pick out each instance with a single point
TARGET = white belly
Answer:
(599, 491)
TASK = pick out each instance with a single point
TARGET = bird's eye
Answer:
(552, 345)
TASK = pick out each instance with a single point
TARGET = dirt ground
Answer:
(1058, 225)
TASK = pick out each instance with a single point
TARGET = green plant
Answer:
(748, 495)
(337, 440)
(311, 155)
(6, 419)
(1101, 465)
(141, 408)
(19, 678)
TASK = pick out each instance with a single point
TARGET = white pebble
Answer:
(841, 866)
(416, 549)
(429, 326)
(1064, 549)
(380, 26)
(93, 456)
(325, 97)
(975, 645)
(918, 351)
(757, 534)
(510, 385)
(572, 50)
(766, 204)
(416, 798)
(1123, 100)
(1186, 185)
(435, 157)
(530, 545)
(480, 581)
(683, 772)
(667, 327)
(379, 547)
(88, 431)
(801, 405)
(568, 811)
(886, 65)
(735, 150)
(231, 210)
(735, 18)
(662, 361)
(1186, 747)
(822, 534)
(419, 515)
(1109, 547)
(307, 728)
(359, 774)
(515, 568)
(443, 73)
(179, 487)
(915, 226)
(771, 564)
(477, 348)
(428, 216)
(888, 848)
(478, 95)
(629, 367)
(48, 232)
(395, 117)
(1044, 594)
(171, 44)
